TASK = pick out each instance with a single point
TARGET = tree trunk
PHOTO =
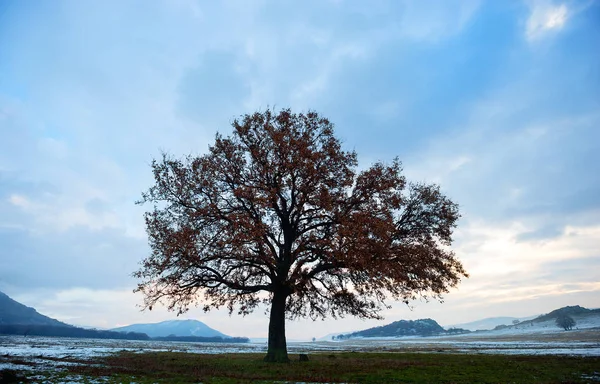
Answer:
(277, 349)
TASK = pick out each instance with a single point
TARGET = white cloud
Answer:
(545, 18)
(53, 214)
(20, 201)
(505, 254)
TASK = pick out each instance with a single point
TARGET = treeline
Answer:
(202, 339)
(457, 331)
(68, 331)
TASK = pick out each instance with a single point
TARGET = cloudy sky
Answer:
(497, 101)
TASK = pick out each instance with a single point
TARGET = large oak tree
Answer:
(277, 213)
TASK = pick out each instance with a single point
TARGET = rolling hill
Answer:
(494, 326)
(422, 327)
(173, 327)
(488, 323)
(13, 312)
(574, 311)
(19, 319)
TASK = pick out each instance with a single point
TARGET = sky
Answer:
(496, 101)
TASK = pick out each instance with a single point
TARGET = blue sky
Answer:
(497, 101)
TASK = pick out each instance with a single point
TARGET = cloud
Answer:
(446, 85)
(519, 293)
(58, 215)
(19, 201)
(545, 18)
(544, 232)
(102, 258)
(508, 256)
(526, 149)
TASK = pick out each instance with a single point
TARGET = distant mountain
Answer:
(13, 312)
(173, 328)
(422, 327)
(488, 323)
(18, 319)
(584, 319)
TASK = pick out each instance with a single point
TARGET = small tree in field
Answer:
(565, 321)
(277, 214)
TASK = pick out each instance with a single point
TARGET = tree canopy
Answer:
(278, 213)
(565, 321)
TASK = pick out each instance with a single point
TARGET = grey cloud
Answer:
(577, 270)
(541, 233)
(572, 197)
(97, 206)
(78, 257)
(546, 180)
(34, 256)
(12, 183)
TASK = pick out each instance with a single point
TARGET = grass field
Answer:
(348, 367)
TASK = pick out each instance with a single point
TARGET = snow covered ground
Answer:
(548, 326)
(538, 338)
(49, 354)
(544, 340)
(529, 338)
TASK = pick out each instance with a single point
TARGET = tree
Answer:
(565, 321)
(278, 214)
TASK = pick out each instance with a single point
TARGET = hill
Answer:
(422, 327)
(488, 323)
(19, 319)
(575, 311)
(173, 328)
(585, 319)
(13, 312)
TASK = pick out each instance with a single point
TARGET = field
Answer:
(558, 357)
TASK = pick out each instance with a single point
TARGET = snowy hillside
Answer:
(488, 323)
(173, 327)
(493, 326)
(584, 319)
